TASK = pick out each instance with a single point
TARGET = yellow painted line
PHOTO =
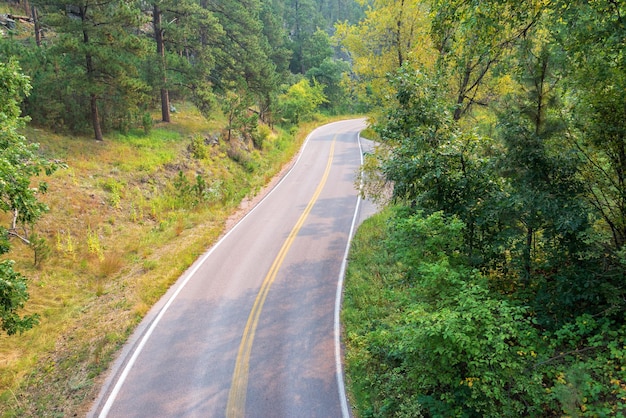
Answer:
(239, 385)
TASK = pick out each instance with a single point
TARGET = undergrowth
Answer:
(426, 337)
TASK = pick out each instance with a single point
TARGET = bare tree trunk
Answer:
(95, 118)
(158, 37)
(35, 16)
(165, 105)
(93, 98)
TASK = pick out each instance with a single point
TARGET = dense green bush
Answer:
(426, 335)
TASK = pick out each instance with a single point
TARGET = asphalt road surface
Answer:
(251, 329)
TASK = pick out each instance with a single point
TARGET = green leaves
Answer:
(19, 160)
(13, 295)
(425, 334)
(301, 100)
(508, 261)
(18, 164)
(441, 343)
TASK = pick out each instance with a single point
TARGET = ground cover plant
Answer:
(425, 336)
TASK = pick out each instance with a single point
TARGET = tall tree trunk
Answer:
(158, 37)
(95, 118)
(93, 99)
(399, 35)
(165, 105)
(35, 17)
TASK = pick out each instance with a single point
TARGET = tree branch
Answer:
(13, 230)
(577, 351)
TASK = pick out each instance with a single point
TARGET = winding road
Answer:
(252, 328)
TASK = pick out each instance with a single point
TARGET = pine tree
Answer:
(244, 60)
(96, 49)
(185, 34)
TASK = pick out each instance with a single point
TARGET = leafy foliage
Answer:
(426, 336)
(505, 153)
(19, 162)
(301, 100)
(104, 65)
(95, 60)
(13, 295)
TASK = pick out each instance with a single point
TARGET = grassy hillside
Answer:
(126, 218)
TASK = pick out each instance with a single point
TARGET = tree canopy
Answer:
(504, 133)
(100, 66)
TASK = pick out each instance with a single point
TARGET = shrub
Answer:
(198, 148)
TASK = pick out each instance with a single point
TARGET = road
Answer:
(251, 329)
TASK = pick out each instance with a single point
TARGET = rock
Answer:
(7, 22)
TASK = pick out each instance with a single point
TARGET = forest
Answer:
(100, 66)
(103, 67)
(493, 281)
(130, 132)
(498, 286)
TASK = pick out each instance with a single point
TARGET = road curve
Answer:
(251, 329)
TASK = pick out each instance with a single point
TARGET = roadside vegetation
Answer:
(130, 132)
(127, 218)
(494, 282)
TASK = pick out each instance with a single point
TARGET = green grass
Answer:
(116, 213)
(365, 302)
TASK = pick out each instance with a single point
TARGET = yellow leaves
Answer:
(620, 387)
(391, 33)
(469, 381)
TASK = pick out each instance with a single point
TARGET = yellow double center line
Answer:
(239, 386)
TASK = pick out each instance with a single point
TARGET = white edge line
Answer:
(189, 274)
(343, 399)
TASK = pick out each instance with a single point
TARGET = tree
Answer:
(471, 37)
(18, 164)
(300, 100)
(184, 33)
(315, 50)
(96, 55)
(432, 164)
(330, 74)
(279, 54)
(593, 34)
(302, 19)
(235, 106)
(157, 25)
(244, 59)
(392, 33)
(547, 216)
(340, 10)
